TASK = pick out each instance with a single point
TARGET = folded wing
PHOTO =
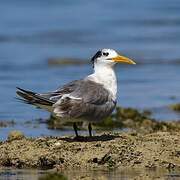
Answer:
(77, 99)
(87, 100)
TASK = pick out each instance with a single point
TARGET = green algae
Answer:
(53, 176)
(66, 62)
(175, 107)
(15, 135)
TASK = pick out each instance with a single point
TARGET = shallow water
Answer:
(33, 31)
(125, 174)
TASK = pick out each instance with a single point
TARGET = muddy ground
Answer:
(103, 151)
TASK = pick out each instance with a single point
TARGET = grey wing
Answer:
(64, 90)
(87, 99)
(46, 100)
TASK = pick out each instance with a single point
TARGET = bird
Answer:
(89, 99)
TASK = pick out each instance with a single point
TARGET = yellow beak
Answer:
(122, 59)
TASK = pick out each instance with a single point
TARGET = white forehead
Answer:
(111, 52)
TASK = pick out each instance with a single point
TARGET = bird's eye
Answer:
(105, 53)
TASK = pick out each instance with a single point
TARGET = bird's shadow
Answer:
(104, 137)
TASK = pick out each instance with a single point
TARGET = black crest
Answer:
(98, 54)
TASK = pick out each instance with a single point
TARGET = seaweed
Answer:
(175, 107)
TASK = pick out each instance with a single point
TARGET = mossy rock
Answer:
(109, 123)
(123, 114)
(15, 135)
(175, 107)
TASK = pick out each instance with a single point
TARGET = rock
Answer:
(15, 135)
(5, 123)
(175, 107)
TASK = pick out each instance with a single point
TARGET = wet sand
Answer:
(103, 151)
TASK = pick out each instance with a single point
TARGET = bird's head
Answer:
(109, 57)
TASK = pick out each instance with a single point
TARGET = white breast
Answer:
(107, 77)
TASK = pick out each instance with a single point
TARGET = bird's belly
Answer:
(99, 113)
(89, 112)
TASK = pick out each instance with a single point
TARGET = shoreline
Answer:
(103, 151)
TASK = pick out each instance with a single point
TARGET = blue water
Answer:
(146, 30)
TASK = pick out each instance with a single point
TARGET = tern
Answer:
(91, 99)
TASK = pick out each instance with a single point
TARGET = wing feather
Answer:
(87, 99)
(80, 98)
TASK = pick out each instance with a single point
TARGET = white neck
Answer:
(105, 75)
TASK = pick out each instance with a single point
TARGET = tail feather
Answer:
(22, 100)
(30, 97)
(26, 91)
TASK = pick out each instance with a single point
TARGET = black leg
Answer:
(90, 130)
(75, 129)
